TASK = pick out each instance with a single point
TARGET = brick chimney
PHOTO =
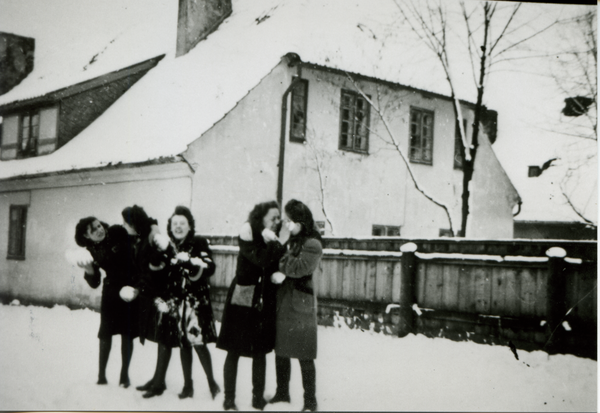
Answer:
(197, 19)
(16, 60)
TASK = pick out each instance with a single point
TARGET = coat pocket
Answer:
(302, 302)
(242, 295)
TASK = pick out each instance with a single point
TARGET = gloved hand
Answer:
(128, 293)
(161, 241)
(198, 262)
(161, 305)
(277, 277)
(268, 235)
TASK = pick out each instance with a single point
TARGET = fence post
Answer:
(407, 288)
(556, 305)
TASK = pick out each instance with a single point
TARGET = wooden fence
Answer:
(530, 301)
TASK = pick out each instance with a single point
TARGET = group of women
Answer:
(156, 288)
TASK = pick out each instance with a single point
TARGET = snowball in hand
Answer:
(128, 293)
(182, 256)
(277, 277)
(161, 241)
(79, 257)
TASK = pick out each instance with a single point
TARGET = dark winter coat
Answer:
(250, 331)
(297, 304)
(152, 284)
(193, 298)
(115, 255)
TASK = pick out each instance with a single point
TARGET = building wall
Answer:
(236, 164)
(56, 203)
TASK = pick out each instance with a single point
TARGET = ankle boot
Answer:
(309, 382)
(280, 397)
(283, 371)
(145, 387)
(259, 402)
(229, 404)
(154, 391)
(214, 389)
(188, 390)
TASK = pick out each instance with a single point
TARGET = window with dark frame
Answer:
(385, 231)
(459, 148)
(16, 232)
(355, 114)
(321, 227)
(29, 133)
(299, 111)
(421, 136)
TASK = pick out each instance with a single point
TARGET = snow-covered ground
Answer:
(48, 361)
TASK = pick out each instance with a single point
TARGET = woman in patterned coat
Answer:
(193, 266)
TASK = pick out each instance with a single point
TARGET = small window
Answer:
(321, 227)
(355, 114)
(29, 134)
(459, 148)
(444, 232)
(298, 113)
(16, 232)
(421, 136)
(385, 231)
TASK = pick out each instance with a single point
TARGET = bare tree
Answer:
(574, 69)
(318, 159)
(490, 32)
(390, 139)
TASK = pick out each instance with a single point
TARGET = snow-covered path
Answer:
(48, 360)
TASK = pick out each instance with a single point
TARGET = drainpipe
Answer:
(293, 60)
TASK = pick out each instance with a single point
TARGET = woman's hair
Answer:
(300, 214)
(136, 217)
(183, 211)
(258, 213)
(81, 230)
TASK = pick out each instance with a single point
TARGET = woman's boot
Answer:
(186, 365)
(105, 345)
(229, 379)
(126, 352)
(159, 385)
(309, 382)
(283, 370)
(259, 370)
(206, 361)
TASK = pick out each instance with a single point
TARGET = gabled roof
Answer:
(181, 98)
(78, 40)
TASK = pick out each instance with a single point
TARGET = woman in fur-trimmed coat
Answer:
(296, 324)
(192, 266)
(248, 323)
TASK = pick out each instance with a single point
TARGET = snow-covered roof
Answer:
(181, 98)
(544, 201)
(76, 41)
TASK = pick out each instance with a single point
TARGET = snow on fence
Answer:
(478, 292)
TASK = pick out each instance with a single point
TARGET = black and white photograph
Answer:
(298, 205)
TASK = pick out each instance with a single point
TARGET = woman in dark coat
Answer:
(112, 250)
(248, 323)
(193, 265)
(296, 324)
(156, 289)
